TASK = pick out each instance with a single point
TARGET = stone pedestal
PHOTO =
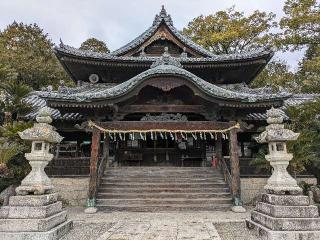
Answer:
(285, 217)
(36, 217)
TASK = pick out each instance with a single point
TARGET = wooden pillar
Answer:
(218, 147)
(95, 144)
(235, 168)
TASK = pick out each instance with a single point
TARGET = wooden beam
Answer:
(95, 144)
(235, 168)
(147, 126)
(161, 108)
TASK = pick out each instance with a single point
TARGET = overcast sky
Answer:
(118, 21)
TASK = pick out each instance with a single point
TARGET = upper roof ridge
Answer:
(162, 16)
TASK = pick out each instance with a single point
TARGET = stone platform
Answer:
(33, 217)
(285, 217)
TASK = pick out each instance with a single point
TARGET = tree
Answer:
(95, 45)
(309, 70)
(306, 150)
(13, 99)
(276, 74)
(27, 50)
(231, 31)
(300, 25)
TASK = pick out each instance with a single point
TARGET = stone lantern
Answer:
(35, 212)
(283, 213)
(276, 136)
(42, 135)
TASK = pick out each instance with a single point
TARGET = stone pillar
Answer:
(283, 213)
(35, 212)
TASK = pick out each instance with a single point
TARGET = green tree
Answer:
(306, 150)
(13, 99)
(95, 45)
(27, 50)
(309, 70)
(230, 31)
(276, 74)
(300, 25)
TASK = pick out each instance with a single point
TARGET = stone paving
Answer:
(215, 225)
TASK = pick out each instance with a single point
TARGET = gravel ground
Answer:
(217, 225)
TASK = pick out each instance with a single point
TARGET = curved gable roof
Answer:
(100, 92)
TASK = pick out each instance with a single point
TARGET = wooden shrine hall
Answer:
(159, 101)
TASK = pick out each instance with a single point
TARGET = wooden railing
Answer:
(226, 172)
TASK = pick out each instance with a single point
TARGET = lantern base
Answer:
(34, 190)
(290, 217)
(283, 190)
(37, 217)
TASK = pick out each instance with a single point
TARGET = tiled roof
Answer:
(93, 92)
(149, 59)
(38, 102)
(163, 17)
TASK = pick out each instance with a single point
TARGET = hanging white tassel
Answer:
(211, 135)
(194, 135)
(161, 135)
(201, 135)
(175, 136)
(182, 136)
(204, 136)
(227, 137)
(171, 135)
(110, 136)
(151, 135)
(120, 137)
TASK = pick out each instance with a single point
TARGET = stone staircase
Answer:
(151, 189)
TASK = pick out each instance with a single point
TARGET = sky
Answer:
(117, 22)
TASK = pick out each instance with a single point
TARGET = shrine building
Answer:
(160, 115)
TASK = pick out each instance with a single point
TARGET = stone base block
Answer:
(35, 225)
(53, 234)
(286, 200)
(288, 211)
(32, 212)
(264, 233)
(286, 224)
(33, 200)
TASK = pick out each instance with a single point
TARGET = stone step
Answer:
(164, 185)
(173, 176)
(32, 225)
(168, 201)
(165, 207)
(163, 172)
(161, 190)
(288, 211)
(286, 224)
(160, 180)
(161, 195)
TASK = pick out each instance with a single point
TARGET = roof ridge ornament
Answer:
(166, 59)
(163, 16)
